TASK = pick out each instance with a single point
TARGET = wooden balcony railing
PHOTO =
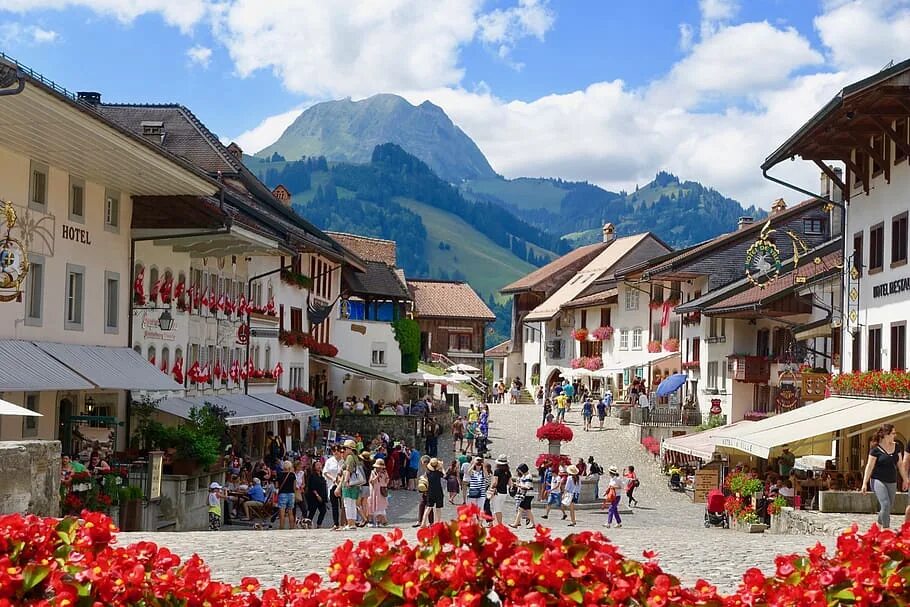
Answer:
(751, 369)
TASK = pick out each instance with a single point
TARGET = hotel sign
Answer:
(891, 288)
(75, 234)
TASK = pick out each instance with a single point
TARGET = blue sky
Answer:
(606, 91)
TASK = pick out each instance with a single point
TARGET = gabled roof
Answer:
(596, 268)
(499, 350)
(553, 275)
(378, 279)
(596, 299)
(368, 249)
(447, 299)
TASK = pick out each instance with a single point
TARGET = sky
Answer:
(605, 91)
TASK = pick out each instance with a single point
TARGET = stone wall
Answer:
(813, 522)
(854, 501)
(30, 477)
(184, 503)
(399, 427)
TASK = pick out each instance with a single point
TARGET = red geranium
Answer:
(555, 431)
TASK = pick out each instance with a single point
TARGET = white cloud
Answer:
(183, 14)
(13, 33)
(686, 37)
(503, 28)
(43, 36)
(199, 55)
(265, 133)
(866, 35)
(715, 13)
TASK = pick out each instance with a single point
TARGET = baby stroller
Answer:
(675, 482)
(715, 514)
(481, 444)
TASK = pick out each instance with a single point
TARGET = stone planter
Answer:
(748, 527)
(554, 447)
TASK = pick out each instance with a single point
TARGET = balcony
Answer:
(750, 369)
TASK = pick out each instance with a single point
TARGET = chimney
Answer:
(89, 97)
(281, 193)
(837, 195)
(744, 222)
(609, 232)
(778, 206)
(235, 151)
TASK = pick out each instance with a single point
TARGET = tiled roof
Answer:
(553, 275)
(378, 279)
(499, 350)
(366, 248)
(597, 299)
(447, 299)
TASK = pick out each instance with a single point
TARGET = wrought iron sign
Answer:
(13, 260)
(763, 262)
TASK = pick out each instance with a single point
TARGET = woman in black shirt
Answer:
(435, 492)
(317, 493)
(883, 466)
(502, 477)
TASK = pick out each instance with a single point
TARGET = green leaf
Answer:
(843, 595)
(374, 597)
(577, 552)
(381, 564)
(17, 549)
(537, 550)
(392, 588)
(574, 591)
(33, 575)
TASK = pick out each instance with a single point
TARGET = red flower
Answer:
(555, 432)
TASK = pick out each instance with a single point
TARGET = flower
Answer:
(671, 345)
(580, 334)
(654, 346)
(602, 333)
(555, 431)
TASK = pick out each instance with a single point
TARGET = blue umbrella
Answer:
(672, 384)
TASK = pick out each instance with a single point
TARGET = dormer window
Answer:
(152, 128)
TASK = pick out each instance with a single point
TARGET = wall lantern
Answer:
(166, 321)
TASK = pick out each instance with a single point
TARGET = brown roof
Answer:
(377, 279)
(809, 269)
(553, 275)
(447, 299)
(499, 350)
(366, 248)
(597, 299)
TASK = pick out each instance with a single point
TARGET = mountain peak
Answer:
(348, 131)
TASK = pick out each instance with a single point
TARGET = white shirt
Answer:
(643, 401)
(330, 470)
(786, 491)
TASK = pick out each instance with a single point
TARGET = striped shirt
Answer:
(477, 485)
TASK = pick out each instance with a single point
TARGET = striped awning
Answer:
(24, 367)
(110, 367)
(244, 409)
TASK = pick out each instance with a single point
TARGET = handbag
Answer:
(383, 491)
(491, 493)
(357, 478)
(567, 498)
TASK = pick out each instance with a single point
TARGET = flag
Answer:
(221, 303)
(156, 288)
(277, 371)
(180, 289)
(270, 306)
(164, 366)
(217, 371)
(152, 360)
(167, 289)
(139, 287)
(235, 371)
(178, 370)
(242, 307)
(665, 315)
(193, 373)
(205, 375)
(204, 300)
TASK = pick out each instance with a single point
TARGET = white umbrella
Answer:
(8, 408)
(458, 377)
(422, 377)
(462, 368)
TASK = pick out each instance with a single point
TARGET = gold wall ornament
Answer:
(763, 263)
(13, 259)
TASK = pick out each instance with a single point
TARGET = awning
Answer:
(358, 369)
(701, 444)
(810, 430)
(24, 367)
(817, 328)
(635, 360)
(245, 409)
(295, 408)
(109, 367)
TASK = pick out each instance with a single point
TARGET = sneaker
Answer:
(529, 525)
(618, 525)
(545, 516)
(565, 516)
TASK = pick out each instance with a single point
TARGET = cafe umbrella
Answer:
(8, 408)
(671, 384)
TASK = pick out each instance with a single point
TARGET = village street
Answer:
(666, 522)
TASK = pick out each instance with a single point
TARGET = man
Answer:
(458, 435)
(256, 497)
(785, 462)
(645, 405)
(273, 448)
(413, 468)
(331, 470)
(562, 403)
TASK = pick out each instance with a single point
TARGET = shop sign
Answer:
(243, 334)
(715, 406)
(891, 288)
(706, 479)
(13, 260)
(264, 333)
(152, 330)
(156, 468)
(75, 234)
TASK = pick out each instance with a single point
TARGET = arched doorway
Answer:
(552, 378)
(535, 374)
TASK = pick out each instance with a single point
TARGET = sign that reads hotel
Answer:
(891, 288)
(75, 234)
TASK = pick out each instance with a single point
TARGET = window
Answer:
(37, 187)
(623, 339)
(876, 247)
(899, 240)
(694, 354)
(296, 319)
(584, 319)
(636, 339)
(712, 375)
(874, 343)
(763, 342)
(591, 348)
(268, 357)
(674, 328)
(605, 317)
(111, 302)
(856, 365)
(77, 200)
(656, 331)
(898, 346)
(460, 341)
(378, 358)
(858, 252)
(631, 298)
(30, 423)
(717, 328)
(813, 226)
(902, 134)
(878, 144)
(75, 297)
(112, 210)
(34, 291)
(295, 377)
(165, 363)
(151, 357)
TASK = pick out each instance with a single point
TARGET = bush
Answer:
(407, 334)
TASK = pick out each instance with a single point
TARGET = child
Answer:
(215, 507)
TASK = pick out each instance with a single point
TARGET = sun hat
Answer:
(614, 470)
(214, 486)
(366, 456)
(572, 470)
(502, 460)
(349, 444)
(379, 463)
(435, 464)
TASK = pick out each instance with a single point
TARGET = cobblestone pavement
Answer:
(666, 522)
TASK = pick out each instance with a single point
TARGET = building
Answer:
(453, 321)
(497, 356)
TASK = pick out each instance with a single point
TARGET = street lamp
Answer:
(166, 321)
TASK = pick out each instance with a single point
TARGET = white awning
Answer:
(356, 369)
(810, 430)
(633, 360)
(24, 367)
(701, 444)
(245, 409)
(295, 408)
(109, 367)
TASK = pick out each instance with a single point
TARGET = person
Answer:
(423, 487)
(495, 392)
(379, 494)
(524, 496)
(569, 391)
(332, 472)
(607, 401)
(562, 402)
(540, 396)
(351, 480)
(786, 490)
(587, 413)
(215, 496)
(96, 464)
(458, 434)
(501, 478)
(287, 482)
(573, 489)
(883, 466)
(413, 468)
(554, 498)
(582, 466)
(601, 412)
(453, 482)
(273, 448)
(435, 496)
(632, 484)
(547, 410)
(316, 492)
(256, 497)
(363, 502)
(67, 469)
(301, 471)
(611, 500)
(477, 484)
(785, 462)
(514, 394)
(594, 474)
(645, 405)
(470, 436)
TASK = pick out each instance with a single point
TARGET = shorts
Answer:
(286, 500)
(434, 501)
(526, 502)
(555, 499)
(364, 491)
(498, 501)
(458, 437)
(601, 416)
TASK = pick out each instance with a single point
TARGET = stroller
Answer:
(675, 482)
(715, 514)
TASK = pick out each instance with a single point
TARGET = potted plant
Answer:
(654, 346)
(580, 334)
(130, 508)
(602, 333)
(671, 345)
(556, 433)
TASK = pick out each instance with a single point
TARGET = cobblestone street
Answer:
(666, 522)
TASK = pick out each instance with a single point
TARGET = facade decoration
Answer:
(13, 260)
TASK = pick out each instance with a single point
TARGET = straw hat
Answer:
(502, 460)
(435, 464)
(379, 463)
(349, 444)
(366, 456)
(214, 486)
(572, 471)
(614, 470)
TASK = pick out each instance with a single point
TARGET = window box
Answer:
(264, 317)
(750, 369)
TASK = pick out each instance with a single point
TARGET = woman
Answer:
(286, 482)
(573, 489)
(523, 497)
(555, 488)
(453, 485)
(379, 493)
(435, 483)
(363, 502)
(317, 493)
(300, 503)
(502, 476)
(469, 436)
(487, 502)
(614, 488)
(477, 484)
(547, 410)
(632, 483)
(884, 464)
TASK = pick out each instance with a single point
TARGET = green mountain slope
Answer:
(347, 131)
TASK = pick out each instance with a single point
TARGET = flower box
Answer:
(691, 364)
(580, 334)
(602, 333)
(261, 380)
(671, 345)
(654, 346)
(895, 384)
(271, 318)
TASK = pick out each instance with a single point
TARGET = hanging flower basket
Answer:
(591, 363)
(654, 346)
(602, 333)
(580, 334)
(671, 345)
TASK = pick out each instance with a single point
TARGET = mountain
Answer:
(347, 131)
